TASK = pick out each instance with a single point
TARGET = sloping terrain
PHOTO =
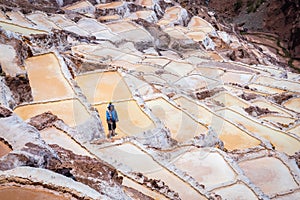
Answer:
(272, 25)
(204, 113)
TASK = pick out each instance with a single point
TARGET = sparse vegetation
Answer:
(287, 55)
(238, 5)
(252, 6)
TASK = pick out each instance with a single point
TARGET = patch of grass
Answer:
(290, 63)
(237, 5)
(288, 55)
(285, 51)
(253, 5)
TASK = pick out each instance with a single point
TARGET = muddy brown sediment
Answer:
(208, 93)
(43, 121)
(249, 96)
(20, 88)
(31, 155)
(30, 6)
(89, 171)
(156, 185)
(4, 112)
(257, 111)
(22, 49)
(136, 194)
(280, 98)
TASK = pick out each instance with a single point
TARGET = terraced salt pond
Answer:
(279, 83)
(214, 73)
(195, 82)
(182, 126)
(230, 100)
(294, 195)
(104, 87)
(270, 174)
(29, 193)
(108, 54)
(176, 33)
(41, 20)
(236, 192)
(19, 18)
(295, 130)
(82, 5)
(197, 36)
(232, 136)
(293, 104)
(171, 15)
(20, 29)
(143, 14)
(161, 61)
(167, 84)
(145, 2)
(199, 24)
(271, 107)
(72, 111)
(265, 89)
(280, 140)
(110, 5)
(206, 166)
(179, 68)
(55, 136)
(137, 160)
(132, 119)
(46, 78)
(236, 77)
(286, 121)
(130, 183)
(91, 25)
(130, 31)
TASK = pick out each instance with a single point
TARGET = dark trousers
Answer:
(111, 125)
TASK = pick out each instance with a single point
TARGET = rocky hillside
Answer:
(207, 109)
(279, 18)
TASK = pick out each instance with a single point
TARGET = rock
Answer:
(43, 121)
(89, 171)
(257, 111)
(28, 148)
(20, 89)
(248, 96)
(280, 98)
(207, 93)
(4, 112)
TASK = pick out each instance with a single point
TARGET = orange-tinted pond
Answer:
(270, 174)
(4, 149)
(21, 193)
(101, 87)
(181, 125)
(132, 119)
(72, 111)
(46, 78)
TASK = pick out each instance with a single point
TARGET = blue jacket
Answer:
(112, 115)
